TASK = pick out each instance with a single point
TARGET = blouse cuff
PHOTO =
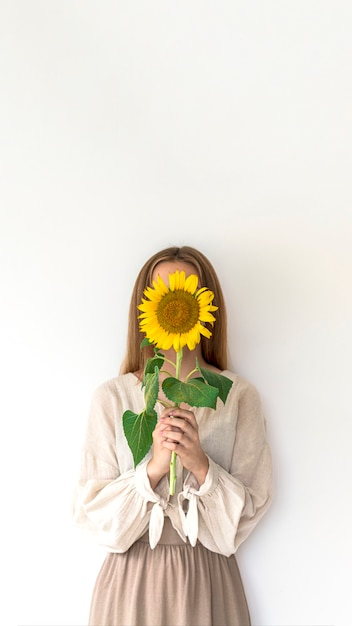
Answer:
(156, 521)
(210, 483)
(191, 492)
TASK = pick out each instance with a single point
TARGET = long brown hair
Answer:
(215, 348)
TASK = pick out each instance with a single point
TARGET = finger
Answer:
(183, 414)
(181, 437)
(178, 424)
(167, 429)
(166, 412)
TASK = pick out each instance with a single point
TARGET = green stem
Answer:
(173, 473)
(179, 355)
(173, 454)
(190, 374)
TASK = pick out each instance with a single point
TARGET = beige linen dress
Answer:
(171, 560)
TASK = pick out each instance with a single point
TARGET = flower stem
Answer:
(173, 473)
(173, 454)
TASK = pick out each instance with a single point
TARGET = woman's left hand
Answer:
(181, 436)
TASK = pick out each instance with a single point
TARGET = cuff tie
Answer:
(189, 520)
(156, 522)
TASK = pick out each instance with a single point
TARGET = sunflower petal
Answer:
(191, 283)
(173, 316)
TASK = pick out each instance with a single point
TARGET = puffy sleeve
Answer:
(113, 501)
(224, 510)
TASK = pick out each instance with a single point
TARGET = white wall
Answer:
(129, 126)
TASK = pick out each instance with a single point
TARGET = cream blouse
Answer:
(115, 502)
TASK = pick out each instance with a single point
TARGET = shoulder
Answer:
(118, 386)
(240, 385)
(244, 394)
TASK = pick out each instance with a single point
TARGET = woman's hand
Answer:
(178, 432)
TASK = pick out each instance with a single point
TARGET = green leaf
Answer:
(156, 361)
(145, 343)
(138, 431)
(195, 392)
(151, 390)
(222, 383)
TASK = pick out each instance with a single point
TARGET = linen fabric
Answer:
(114, 501)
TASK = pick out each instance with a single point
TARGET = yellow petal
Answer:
(191, 283)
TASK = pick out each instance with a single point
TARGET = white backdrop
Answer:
(129, 126)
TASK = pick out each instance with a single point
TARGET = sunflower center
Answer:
(178, 312)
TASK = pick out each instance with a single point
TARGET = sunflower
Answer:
(174, 316)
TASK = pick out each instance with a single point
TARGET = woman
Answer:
(171, 559)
